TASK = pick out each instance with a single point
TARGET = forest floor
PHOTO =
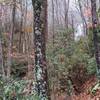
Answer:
(85, 88)
(85, 94)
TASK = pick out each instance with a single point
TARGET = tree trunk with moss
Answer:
(40, 30)
(95, 35)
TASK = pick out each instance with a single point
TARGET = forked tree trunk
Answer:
(95, 35)
(40, 30)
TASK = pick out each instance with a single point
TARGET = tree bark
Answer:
(53, 23)
(66, 5)
(83, 19)
(1, 59)
(9, 60)
(2, 72)
(40, 29)
(21, 26)
(95, 35)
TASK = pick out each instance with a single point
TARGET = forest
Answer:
(49, 49)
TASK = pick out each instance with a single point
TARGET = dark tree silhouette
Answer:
(95, 35)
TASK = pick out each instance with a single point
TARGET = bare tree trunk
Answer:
(1, 59)
(95, 35)
(99, 3)
(21, 26)
(83, 19)
(9, 60)
(1, 47)
(73, 36)
(53, 42)
(66, 5)
(40, 27)
(53, 22)
(57, 12)
(25, 25)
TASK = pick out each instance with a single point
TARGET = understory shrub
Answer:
(17, 90)
(70, 60)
